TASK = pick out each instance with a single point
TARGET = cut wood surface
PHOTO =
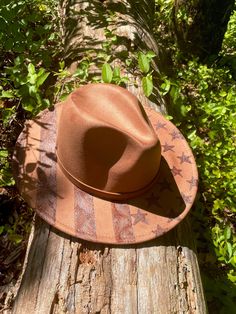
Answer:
(67, 275)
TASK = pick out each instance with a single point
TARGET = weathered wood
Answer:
(67, 275)
(64, 275)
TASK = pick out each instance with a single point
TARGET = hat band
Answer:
(102, 193)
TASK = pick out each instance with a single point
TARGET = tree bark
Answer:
(67, 275)
(200, 25)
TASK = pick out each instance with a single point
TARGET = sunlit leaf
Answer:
(150, 54)
(143, 62)
(116, 72)
(227, 233)
(147, 85)
(107, 73)
(42, 78)
(31, 69)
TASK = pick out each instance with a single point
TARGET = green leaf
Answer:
(3, 153)
(166, 87)
(107, 73)
(46, 103)
(143, 62)
(28, 107)
(6, 178)
(116, 72)
(42, 78)
(232, 278)
(31, 69)
(16, 238)
(227, 233)
(7, 94)
(32, 79)
(150, 54)
(79, 72)
(32, 89)
(62, 64)
(229, 249)
(147, 85)
(8, 114)
(128, 62)
(1, 229)
(124, 79)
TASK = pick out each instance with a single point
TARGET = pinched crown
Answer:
(105, 141)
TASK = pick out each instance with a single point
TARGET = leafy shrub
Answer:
(207, 102)
(29, 55)
(29, 47)
(203, 104)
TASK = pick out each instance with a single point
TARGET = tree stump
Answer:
(67, 275)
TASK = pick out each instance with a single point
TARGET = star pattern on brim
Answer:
(184, 158)
(193, 183)
(158, 231)
(160, 125)
(167, 147)
(187, 198)
(139, 217)
(176, 135)
(165, 185)
(176, 172)
(153, 200)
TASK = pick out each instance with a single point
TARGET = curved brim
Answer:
(73, 211)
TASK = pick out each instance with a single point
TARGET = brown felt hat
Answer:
(105, 169)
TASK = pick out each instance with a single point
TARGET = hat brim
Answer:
(46, 189)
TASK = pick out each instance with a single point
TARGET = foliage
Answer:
(29, 52)
(139, 63)
(27, 28)
(26, 58)
(229, 43)
(27, 86)
(6, 178)
(209, 94)
(204, 107)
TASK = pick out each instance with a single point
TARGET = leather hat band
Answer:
(102, 193)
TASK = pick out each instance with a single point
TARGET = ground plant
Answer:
(202, 104)
(204, 108)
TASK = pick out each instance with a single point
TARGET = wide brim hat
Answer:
(77, 210)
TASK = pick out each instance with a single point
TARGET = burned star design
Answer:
(176, 172)
(193, 182)
(153, 200)
(158, 231)
(167, 147)
(165, 185)
(160, 125)
(187, 198)
(184, 158)
(176, 135)
(139, 217)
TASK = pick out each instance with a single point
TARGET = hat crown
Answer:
(105, 140)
